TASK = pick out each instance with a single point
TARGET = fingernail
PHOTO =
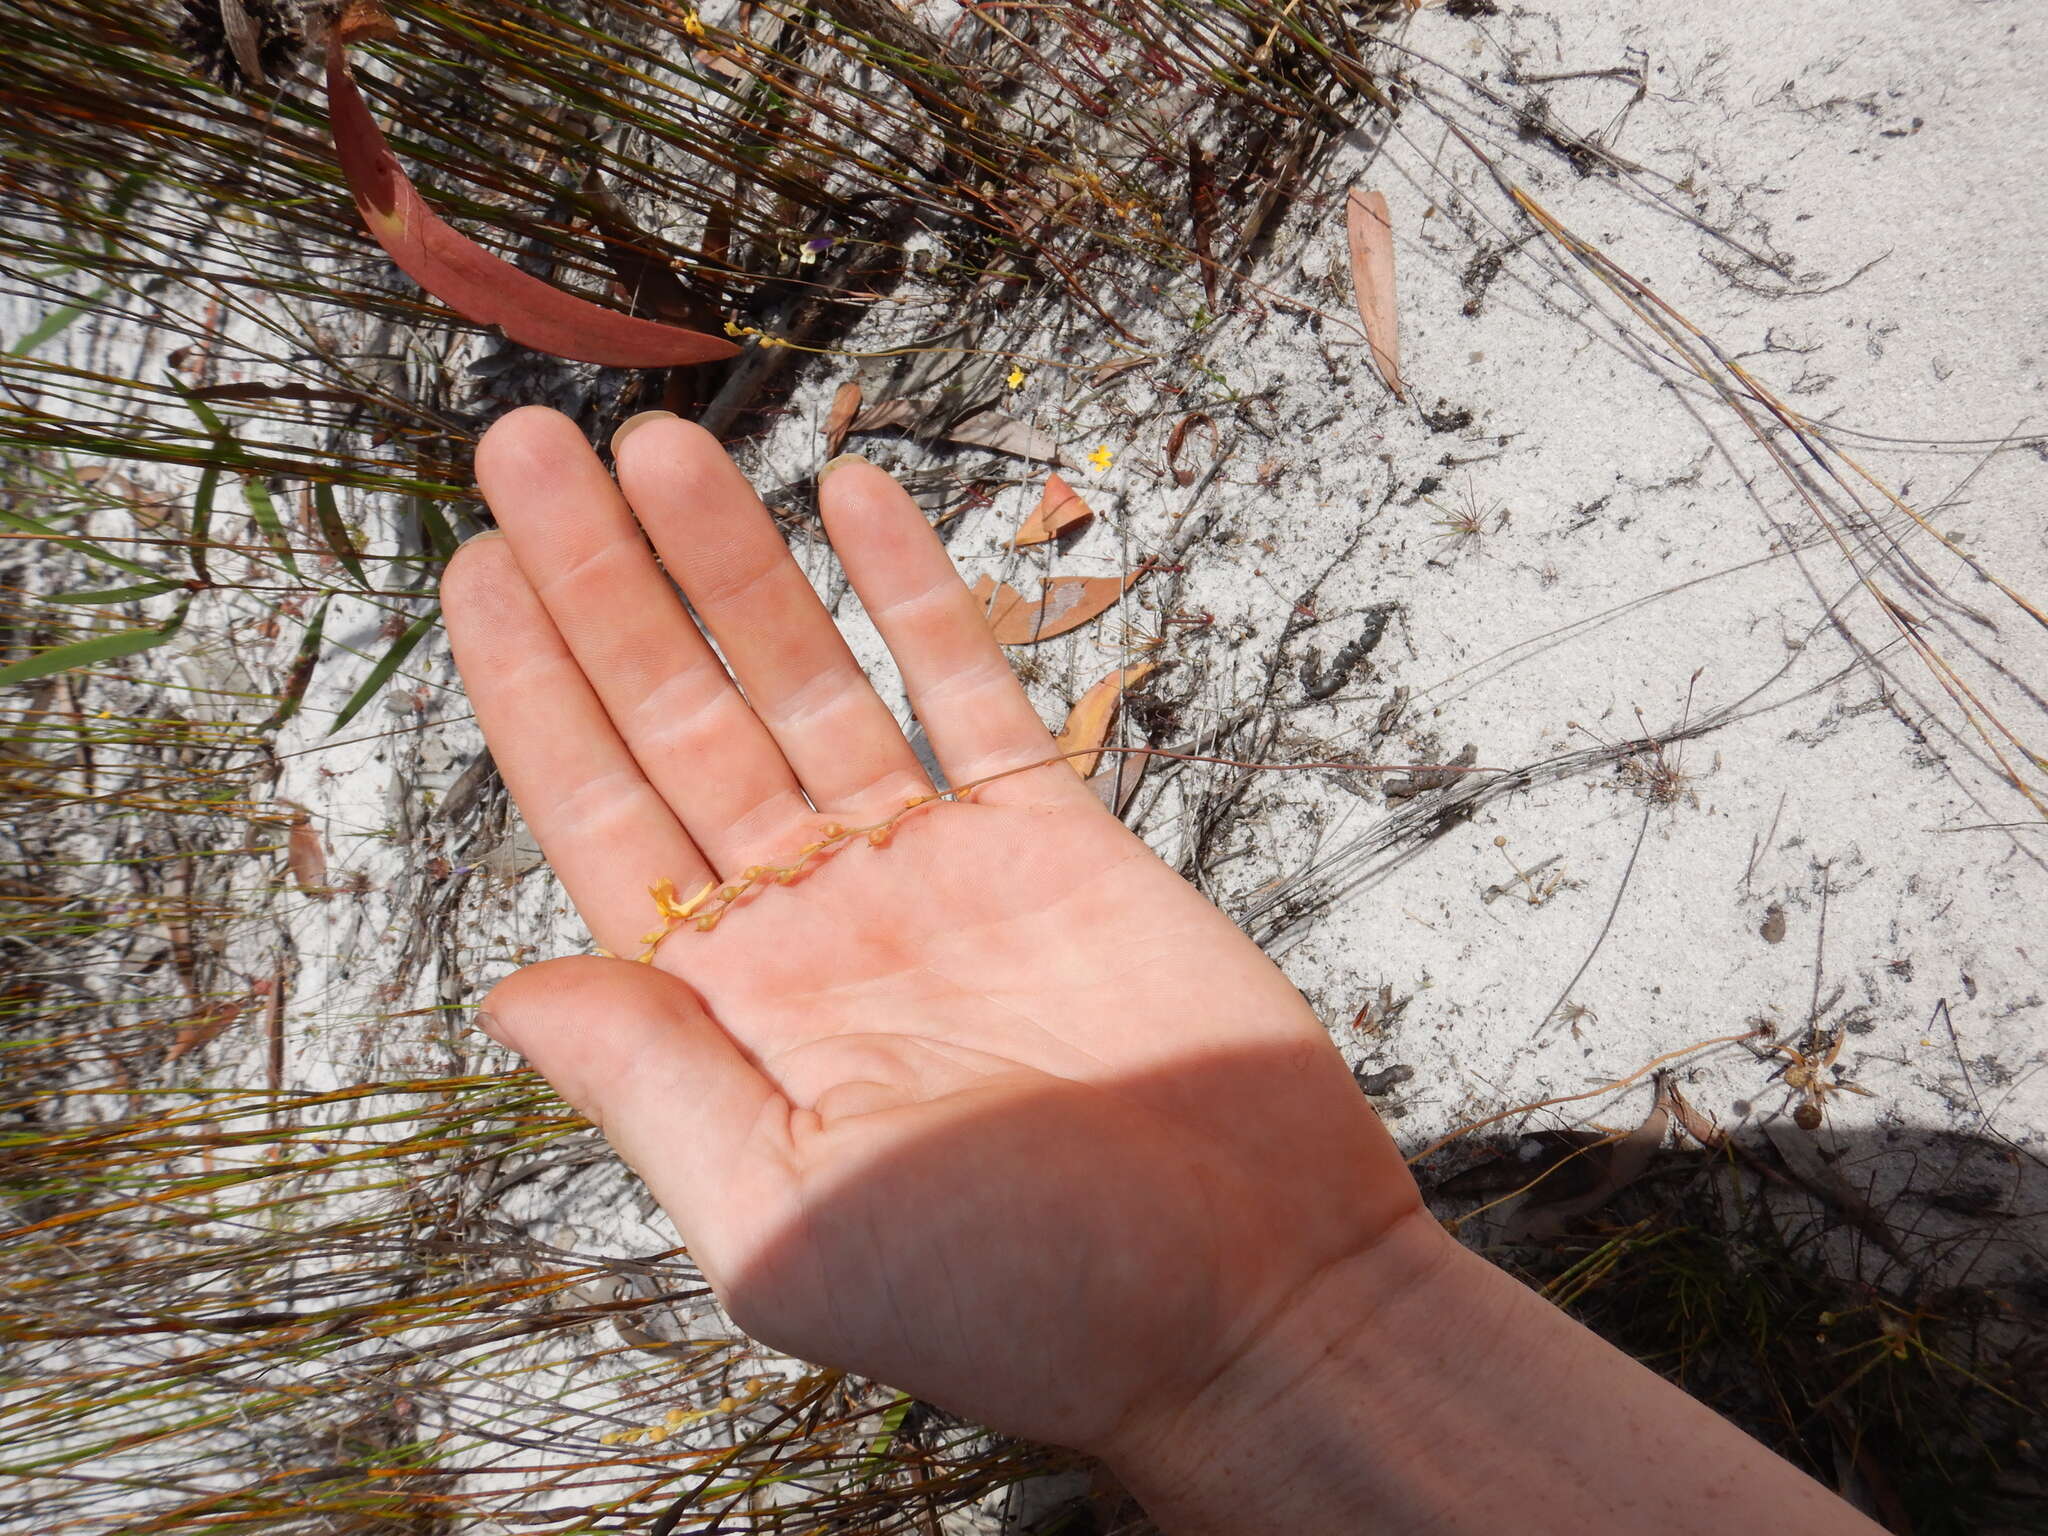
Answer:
(633, 424)
(844, 458)
(488, 533)
(488, 1023)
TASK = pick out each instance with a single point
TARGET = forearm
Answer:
(1420, 1389)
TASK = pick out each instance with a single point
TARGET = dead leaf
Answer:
(1064, 603)
(839, 420)
(1118, 781)
(244, 41)
(1772, 929)
(1370, 233)
(1177, 439)
(985, 429)
(650, 284)
(273, 1026)
(1202, 214)
(253, 391)
(1004, 433)
(1614, 1161)
(900, 412)
(453, 268)
(1059, 508)
(205, 1026)
(305, 856)
(1122, 366)
(1089, 720)
(1701, 1128)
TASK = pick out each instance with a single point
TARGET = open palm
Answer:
(1000, 1111)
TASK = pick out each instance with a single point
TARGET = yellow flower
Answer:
(664, 893)
(1016, 378)
(1100, 458)
(694, 25)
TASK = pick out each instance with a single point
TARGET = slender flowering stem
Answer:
(713, 900)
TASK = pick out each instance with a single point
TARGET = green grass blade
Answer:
(88, 653)
(26, 524)
(202, 519)
(335, 532)
(117, 594)
(263, 508)
(56, 323)
(380, 674)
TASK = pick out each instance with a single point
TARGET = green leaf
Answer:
(387, 664)
(264, 510)
(892, 1424)
(441, 538)
(85, 547)
(55, 323)
(89, 653)
(335, 532)
(117, 594)
(202, 520)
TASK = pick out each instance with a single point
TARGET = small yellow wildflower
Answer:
(1016, 379)
(694, 25)
(1100, 458)
(664, 893)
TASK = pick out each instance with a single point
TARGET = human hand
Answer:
(1002, 1112)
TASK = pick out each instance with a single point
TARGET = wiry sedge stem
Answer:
(713, 901)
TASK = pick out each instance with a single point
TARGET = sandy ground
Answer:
(1836, 846)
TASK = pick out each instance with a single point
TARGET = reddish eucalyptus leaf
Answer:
(1177, 438)
(1059, 508)
(463, 275)
(205, 1025)
(1089, 720)
(839, 420)
(1064, 603)
(306, 857)
(1370, 234)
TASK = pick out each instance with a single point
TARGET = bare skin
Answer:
(1003, 1112)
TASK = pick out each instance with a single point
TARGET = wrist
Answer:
(1288, 1426)
(1414, 1388)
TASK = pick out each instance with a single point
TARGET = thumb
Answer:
(632, 1049)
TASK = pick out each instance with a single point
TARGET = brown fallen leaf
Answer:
(1064, 603)
(840, 419)
(648, 282)
(1089, 720)
(985, 429)
(245, 41)
(456, 270)
(1059, 509)
(1122, 366)
(305, 856)
(1118, 781)
(205, 1026)
(1177, 439)
(1614, 1161)
(1370, 233)
(1700, 1127)
(900, 412)
(1004, 433)
(1202, 214)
